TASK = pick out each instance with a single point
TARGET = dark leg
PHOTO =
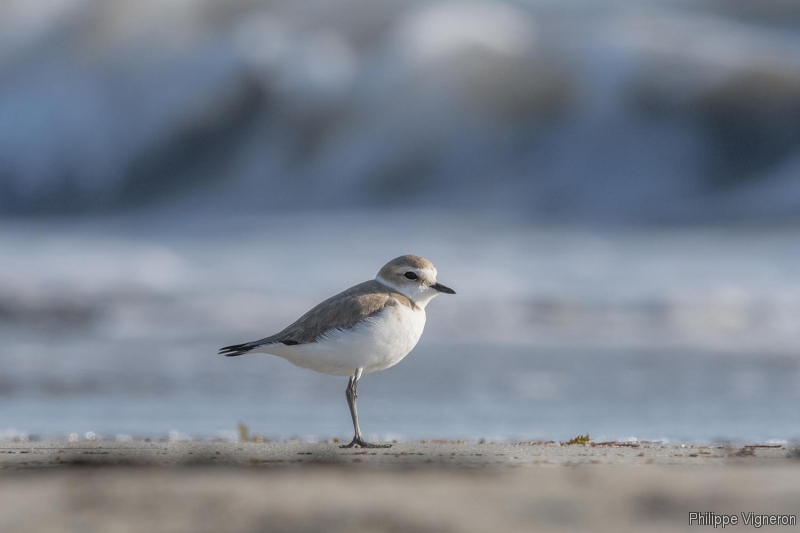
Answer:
(352, 393)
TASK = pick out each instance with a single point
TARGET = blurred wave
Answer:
(579, 110)
(112, 325)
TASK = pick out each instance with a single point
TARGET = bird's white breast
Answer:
(374, 344)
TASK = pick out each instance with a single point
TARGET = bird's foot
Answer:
(358, 441)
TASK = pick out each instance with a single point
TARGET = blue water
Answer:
(112, 326)
(440, 391)
(591, 110)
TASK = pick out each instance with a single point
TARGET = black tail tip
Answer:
(233, 351)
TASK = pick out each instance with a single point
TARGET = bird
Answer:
(366, 328)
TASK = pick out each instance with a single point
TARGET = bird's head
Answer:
(414, 277)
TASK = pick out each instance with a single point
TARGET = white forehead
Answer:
(427, 272)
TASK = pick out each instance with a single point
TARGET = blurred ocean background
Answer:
(612, 187)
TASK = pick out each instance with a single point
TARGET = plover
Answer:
(368, 327)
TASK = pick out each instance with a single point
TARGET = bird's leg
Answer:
(352, 393)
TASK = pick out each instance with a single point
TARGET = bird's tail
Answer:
(238, 349)
(241, 349)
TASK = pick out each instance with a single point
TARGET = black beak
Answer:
(441, 288)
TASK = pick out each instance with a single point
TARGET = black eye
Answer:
(411, 275)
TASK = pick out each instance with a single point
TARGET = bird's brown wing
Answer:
(339, 312)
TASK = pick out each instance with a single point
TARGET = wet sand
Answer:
(414, 455)
(421, 486)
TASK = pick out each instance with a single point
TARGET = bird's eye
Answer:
(411, 275)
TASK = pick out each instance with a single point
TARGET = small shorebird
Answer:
(368, 327)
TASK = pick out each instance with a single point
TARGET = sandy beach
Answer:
(437, 454)
(447, 486)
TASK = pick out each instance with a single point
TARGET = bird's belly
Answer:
(378, 343)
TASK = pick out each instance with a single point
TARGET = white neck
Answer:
(421, 298)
